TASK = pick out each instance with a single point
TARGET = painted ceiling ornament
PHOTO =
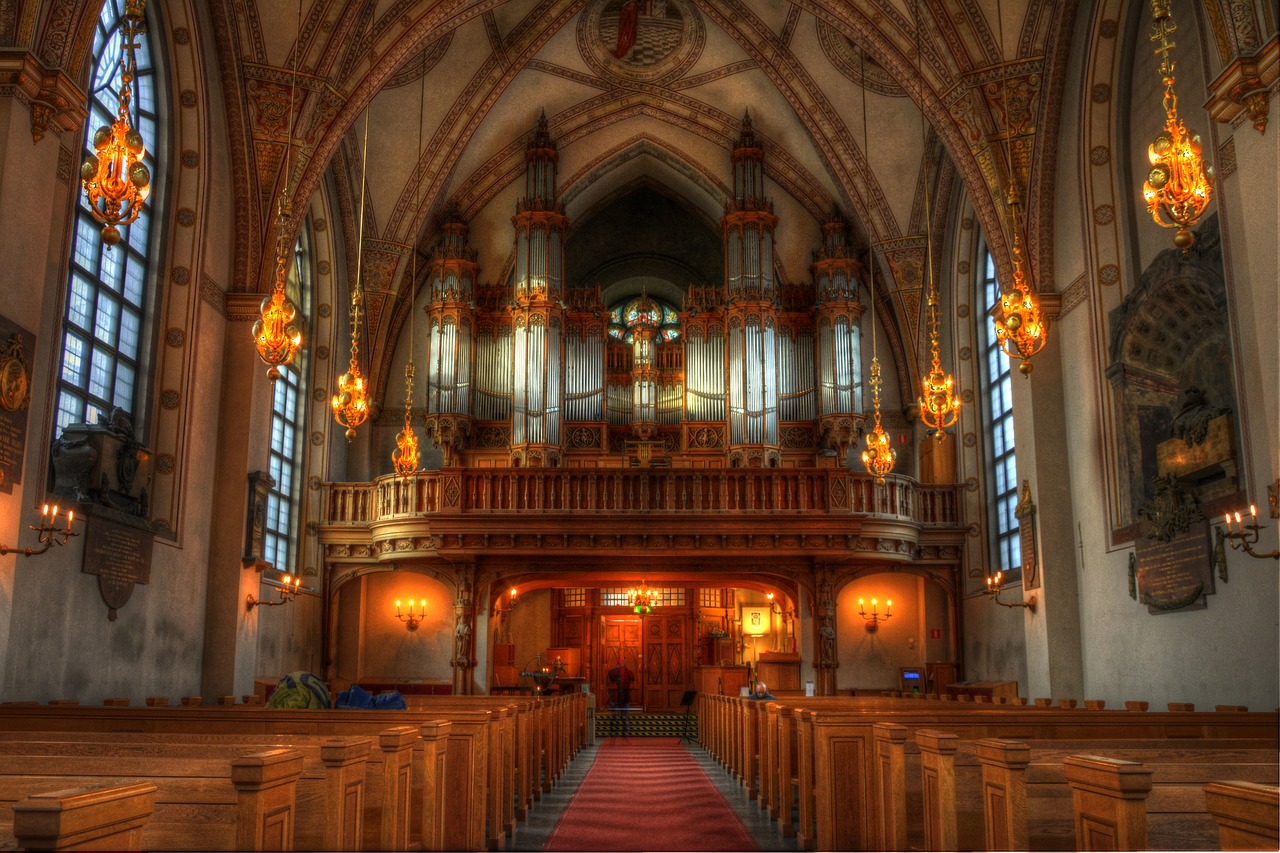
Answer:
(643, 40)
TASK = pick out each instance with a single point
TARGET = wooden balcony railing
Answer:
(566, 491)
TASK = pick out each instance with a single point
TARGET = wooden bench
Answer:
(816, 755)
(477, 781)
(1021, 793)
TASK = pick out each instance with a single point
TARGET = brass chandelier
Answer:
(643, 599)
(879, 455)
(275, 334)
(406, 455)
(116, 181)
(351, 404)
(1020, 329)
(939, 403)
(1180, 184)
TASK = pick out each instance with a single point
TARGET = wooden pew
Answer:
(90, 817)
(988, 801)
(247, 802)
(839, 733)
(1247, 814)
(471, 777)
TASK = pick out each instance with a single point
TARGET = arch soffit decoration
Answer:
(887, 35)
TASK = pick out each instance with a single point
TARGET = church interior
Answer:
(475, 347)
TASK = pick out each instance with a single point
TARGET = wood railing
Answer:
(816, 491)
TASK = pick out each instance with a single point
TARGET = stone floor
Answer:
(533, 833)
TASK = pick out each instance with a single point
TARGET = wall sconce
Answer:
(288, 592)
(875, 617)
(513, 598)
(413, 618)
(1242, 537)
(48, 533)
(995, 583)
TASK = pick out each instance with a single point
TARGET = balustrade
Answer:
(562, 490)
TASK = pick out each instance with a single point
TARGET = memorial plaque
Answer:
(1175, 575)
(120, 556)
(17, 346)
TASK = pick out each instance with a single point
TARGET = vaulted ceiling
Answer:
(452, 89)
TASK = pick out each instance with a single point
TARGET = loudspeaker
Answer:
(687, 698)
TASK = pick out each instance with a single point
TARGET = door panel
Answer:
(619, 638)
(667, 651)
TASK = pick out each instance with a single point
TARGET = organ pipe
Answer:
(537, 310)
(751, 363)
(450, 319)
(839, 317)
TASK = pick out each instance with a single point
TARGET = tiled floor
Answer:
(533, 833)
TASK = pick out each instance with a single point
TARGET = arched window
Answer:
(288, 429)
(997, 421)
(104, 349)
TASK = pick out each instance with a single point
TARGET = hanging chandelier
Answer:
(879, 456)
(275, 334)
(939, 404)
(643, 599)
(351, 403)
(405, 456)
(116, 181)
(1020, 330)
(1180, 184)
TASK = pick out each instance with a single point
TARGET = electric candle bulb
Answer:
(1238, 521)
(1253, 511)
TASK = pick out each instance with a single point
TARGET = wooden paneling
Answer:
(667, 654)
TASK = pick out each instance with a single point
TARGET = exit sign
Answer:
(935, 633)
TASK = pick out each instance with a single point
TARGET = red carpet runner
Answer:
(648, 794)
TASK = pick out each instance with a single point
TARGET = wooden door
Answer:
(668, 649)
(619, 639)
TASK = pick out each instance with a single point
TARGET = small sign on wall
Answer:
(935, 633)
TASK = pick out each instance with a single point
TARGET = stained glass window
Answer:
(625, 317)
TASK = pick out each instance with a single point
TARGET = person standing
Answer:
(620, 680)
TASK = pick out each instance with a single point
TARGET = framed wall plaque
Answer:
(17, 347)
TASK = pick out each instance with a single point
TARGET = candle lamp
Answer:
(413, 617)
(288, 591)
(995, 584)
(1242, 537)
(875, 617)
(49, 532)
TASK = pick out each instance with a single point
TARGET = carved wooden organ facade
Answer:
(747, 372)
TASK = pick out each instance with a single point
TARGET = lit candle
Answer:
(860, 602)
(70, 516)
(1227, 519)
(1253, 511)
(1239, 522)
(888, 605)
(397, 607)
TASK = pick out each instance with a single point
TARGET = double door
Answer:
(657, 650)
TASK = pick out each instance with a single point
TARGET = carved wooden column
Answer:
(826, 661)
(464, 631)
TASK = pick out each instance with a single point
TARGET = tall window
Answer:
(1002, 463)
(287, 413)
(107, 295)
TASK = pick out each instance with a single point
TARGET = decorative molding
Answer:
(55, 102)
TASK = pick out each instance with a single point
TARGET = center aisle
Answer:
(648, 794)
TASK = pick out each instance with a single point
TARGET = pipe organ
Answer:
(537, 310)
(751, 310)
(839, 318)
(745, 371)
(451, 320)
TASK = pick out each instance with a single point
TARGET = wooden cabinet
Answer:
(721, 680)
(779, 670)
